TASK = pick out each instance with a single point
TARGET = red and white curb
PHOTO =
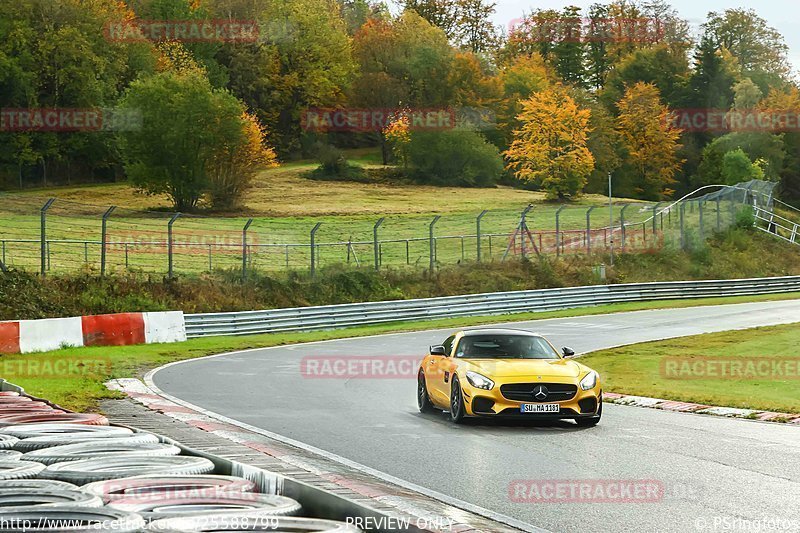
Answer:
(121, 329)
(687, 407)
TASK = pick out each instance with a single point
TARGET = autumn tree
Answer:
(302, 60)
(474, 29)
(234, 165)
(443, 14)
(550, 148)
(650, 141)
(403, 62)
(525, 76)
(191, 134)
(760, 49)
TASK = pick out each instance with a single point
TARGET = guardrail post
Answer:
(622, 223)
(170, 244)
(558, 230)
(719, 220)
(314, 249)
(375, 243)
(432, 243)
(478, 233)
(43, 228)
(104, 239)
(244, 248)
(589, 229)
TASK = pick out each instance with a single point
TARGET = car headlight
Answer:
(589, 380)
(479, 381)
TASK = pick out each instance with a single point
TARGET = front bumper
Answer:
(492, 403)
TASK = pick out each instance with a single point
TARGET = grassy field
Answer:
(83, 391)
(641, 369)
(285, 207)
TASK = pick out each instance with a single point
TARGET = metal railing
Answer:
(361, 314)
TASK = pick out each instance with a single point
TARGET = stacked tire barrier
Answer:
(69, 472)
(26, 336)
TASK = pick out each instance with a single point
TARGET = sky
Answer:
(783, 15)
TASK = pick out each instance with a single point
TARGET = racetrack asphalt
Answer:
(717, 473)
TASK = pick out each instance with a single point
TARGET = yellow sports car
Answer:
(507, 372)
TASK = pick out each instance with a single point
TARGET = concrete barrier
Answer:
(27, 336)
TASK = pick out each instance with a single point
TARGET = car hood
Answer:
(513, 368)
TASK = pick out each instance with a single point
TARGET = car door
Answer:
(434, 374)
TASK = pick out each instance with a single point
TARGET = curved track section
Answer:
(712, 469)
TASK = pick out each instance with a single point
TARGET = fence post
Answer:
(104, 240)
(314, 249)
(432, 243)
(589, 230)
(244, 248)
(700, 211)
(43, 229)
(375, 245)
(558, 230)
(683, 237)
(655, 217)
(719, 220)
(622, 223)
(170, 243)
(523, 226)
(478, 232)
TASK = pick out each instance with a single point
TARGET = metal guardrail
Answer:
(360, 314)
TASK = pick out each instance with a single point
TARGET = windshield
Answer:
(505, 347)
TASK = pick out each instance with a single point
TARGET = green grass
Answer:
(84, 392)
(638, 369)
(285, 207)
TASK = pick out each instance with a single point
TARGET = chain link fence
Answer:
(55, 235)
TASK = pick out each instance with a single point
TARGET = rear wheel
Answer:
(423, 400)
(457, 409)
(593, 421)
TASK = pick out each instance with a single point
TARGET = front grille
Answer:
(482, 405)
(526, 392)
(588, 405)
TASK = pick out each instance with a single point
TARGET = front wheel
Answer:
(591, 422)
(457, 408)
(423, 400)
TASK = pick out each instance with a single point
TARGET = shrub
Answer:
(333, 166)
(453, 157)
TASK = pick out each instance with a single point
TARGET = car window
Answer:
(448, 345)
(505, 347)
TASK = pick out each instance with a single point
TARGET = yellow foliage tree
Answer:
(650, 139)
(233, 167)
(398, 135)
(549, 149)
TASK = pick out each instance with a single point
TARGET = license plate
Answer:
(539, 408)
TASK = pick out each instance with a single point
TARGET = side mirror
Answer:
(437, 350)
(568, 352)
